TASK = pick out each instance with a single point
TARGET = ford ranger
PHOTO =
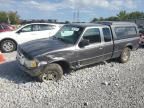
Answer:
(77, 45)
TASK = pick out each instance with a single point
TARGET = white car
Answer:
(28, 32)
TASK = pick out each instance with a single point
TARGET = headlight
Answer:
(30, 63)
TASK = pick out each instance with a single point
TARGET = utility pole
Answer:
(74, 15)
(78, 15)
(8, 20)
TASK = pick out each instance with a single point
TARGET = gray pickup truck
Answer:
(77, 45)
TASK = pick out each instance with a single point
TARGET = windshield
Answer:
(69, 34)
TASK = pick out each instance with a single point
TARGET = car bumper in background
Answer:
(141, 42)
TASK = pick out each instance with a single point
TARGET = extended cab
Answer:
(77, 45)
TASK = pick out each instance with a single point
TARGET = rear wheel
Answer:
(125, 55)
(52, 72)
(8, 46)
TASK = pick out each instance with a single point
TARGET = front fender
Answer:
(55, 59)
(49, 59)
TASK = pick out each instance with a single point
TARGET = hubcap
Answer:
(8, 46)
(126, 55)
(49, 76)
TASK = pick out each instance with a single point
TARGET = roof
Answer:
(43, 23)
(102, 23)
(85, 24)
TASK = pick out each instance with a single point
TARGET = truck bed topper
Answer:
(109, 23)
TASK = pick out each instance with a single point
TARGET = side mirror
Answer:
(18, 32)
(83, 43)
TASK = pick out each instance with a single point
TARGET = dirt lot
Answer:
(104, 85)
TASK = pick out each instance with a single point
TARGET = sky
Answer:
(63, 10)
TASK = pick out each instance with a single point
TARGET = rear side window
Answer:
(125, 32)
(35, 27)
(93, 35)
(46, 27)
(5, 27)
(131, 30)
(107, 34)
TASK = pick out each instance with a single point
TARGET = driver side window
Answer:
(92, 35)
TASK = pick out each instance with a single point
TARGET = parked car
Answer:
(28, 32)
(141, 42)
(5, 27)
(77, 45)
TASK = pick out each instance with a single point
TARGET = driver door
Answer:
(25, 34)
(93, 52)
(29, 33)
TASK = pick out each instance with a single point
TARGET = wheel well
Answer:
(129, 46)
(9, 39)
(65, 66)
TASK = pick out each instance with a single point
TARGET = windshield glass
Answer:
(69, 34)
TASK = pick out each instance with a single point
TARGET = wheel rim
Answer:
(51, 76)
(126, 55)
(8, 46)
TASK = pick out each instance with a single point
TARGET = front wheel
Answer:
(8, 46)
(125, 55)
(52, 72)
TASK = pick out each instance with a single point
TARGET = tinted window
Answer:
(46, 27)
(27, 29)
(125, 32)
(107, 34)
(5, 26)
(93, 35)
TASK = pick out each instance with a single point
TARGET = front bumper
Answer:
(32, 72)
(141, 42)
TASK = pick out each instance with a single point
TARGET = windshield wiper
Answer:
(54, 37)
(60, 39)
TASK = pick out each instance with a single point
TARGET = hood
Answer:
(7, 33)
(41, 46)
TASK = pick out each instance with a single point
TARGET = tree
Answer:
(101, 19)
(112, 18)
(98, 19)
(67, 22)
(136, 15)
(122, 15)
(3, 17)
(14, 18)
(9, 17)
(94, 20)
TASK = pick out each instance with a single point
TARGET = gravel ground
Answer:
(104, 85)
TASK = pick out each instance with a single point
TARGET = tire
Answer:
(125, 55)
(52, 72)
(8, 46)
